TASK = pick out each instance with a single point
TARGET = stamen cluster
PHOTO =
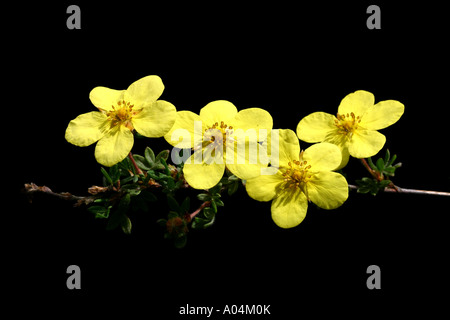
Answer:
(297, 174)
(347, 124)
(218, 133)
(122, 114)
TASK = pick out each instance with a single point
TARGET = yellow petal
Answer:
(184, 132)
(315, 127)
(327, 189)
(218, 111)
(341, 141)
(323, 156)
(366, 143)
(144, 91)
(87, 128)
(289, 208)
(244, 160)
(114, 146)
(156, 119)
(345, 157)
(287, 148)
(357, 102)
(254, 119)
(104, 98)
(264, 188)
(202, 175)
(382, 115)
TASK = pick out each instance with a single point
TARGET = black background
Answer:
(288, 59)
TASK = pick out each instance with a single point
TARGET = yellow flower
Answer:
(121, 112)
(353, 130)
(220, 137)
(301, 177)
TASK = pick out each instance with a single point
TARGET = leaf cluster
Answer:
(179, 220)
(207, 216)
(124, 189)
(383, 168)
(176, 224)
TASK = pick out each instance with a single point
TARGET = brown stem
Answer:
(203, 205)
(371, 171)
(31, 188)
(138, 170)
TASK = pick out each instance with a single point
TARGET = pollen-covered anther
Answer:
(220, 136)
(347, 124)
(297, 175)
(122, 113)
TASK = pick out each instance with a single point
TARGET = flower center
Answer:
(347, 124)
(297, 175)
(122, 114)
(218, 133)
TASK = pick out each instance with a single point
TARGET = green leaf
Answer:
(384, 183)
(168, 182)
(126, 180)
(126, 225)
(390, 171)
(203, 197)
(363, 189)
(201, 223)
(173, 203)
(387, 157)
(162, 155)
(154, 175)
(166, 167)
(185, 205)
(209, 213)
(141, 162)
(215, 189)
(114, 173)
(369, 160)
(101, 200)
(100, 211)
(380, 165)
(149, 155)
(394, 157)
(126, 165)
(218, 202)
(107, 176)
(132, 189)
(213, 205)
(232, 188)
(118, 214)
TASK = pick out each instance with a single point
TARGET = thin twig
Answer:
(31, 188)
(410, 191)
